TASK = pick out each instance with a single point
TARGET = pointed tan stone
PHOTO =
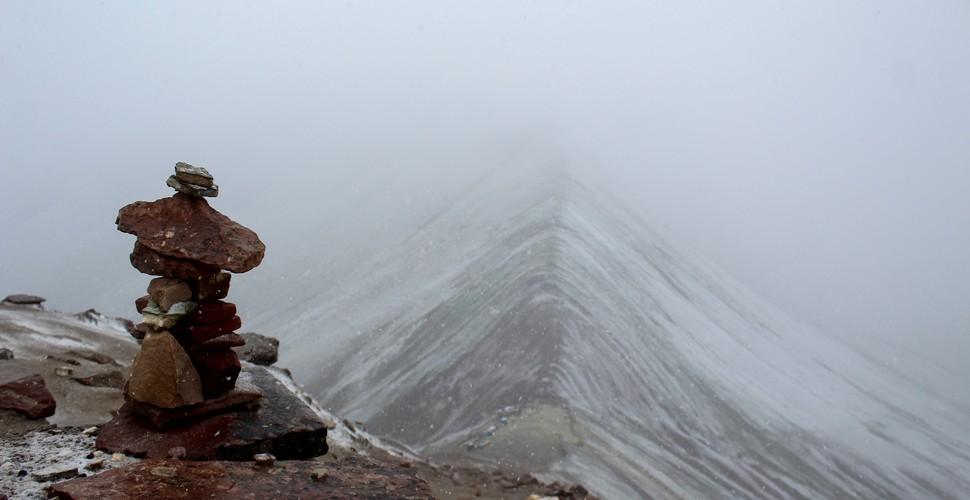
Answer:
(162, 374)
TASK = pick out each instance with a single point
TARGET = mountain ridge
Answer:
(535, 299)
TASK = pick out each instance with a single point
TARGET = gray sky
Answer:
(818, 151)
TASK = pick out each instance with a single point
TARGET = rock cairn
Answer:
(186, 358)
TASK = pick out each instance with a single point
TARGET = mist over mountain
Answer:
(532, 320)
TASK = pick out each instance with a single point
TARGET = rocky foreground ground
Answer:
(82, 361)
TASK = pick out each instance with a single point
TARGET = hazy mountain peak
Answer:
(535, 322)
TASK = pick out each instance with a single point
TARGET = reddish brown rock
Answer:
(185, 227)
(201, 333)
(139, 331)
(282, 424)
(151, 262)
(131, 433)
(163, 375)
(222, 342)
(218, 370)
(207, 313)
(350, 477)
(168, 292)
(25, 392)
(141, 302)
(211, 288)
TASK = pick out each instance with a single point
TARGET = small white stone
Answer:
(264, 459)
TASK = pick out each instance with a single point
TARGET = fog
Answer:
(818, 152)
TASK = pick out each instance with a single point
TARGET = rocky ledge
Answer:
(37, 456)
(352, 477)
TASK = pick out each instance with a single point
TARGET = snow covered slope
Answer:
(532, 321)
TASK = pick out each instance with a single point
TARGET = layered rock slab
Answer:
(151, 262)
(185, 227)
(282, 425)
(25, 392)
(351, 477)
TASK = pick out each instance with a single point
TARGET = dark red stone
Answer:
(227, 341)
(141, 302)
(25, 392)
(217, 369)
(211, 288)
(139, 331)
(201, 333)
(208, 313)
(351, 477)
(184, 227)
(151, 262)
(131, 433)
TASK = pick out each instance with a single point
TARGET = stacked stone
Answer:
(188, 330)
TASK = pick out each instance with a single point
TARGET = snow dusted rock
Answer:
(162, 374)
(5, 354)
(25, 392)
(184, 227)
(30, 461)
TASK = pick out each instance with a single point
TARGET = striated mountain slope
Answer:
(533, 322)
